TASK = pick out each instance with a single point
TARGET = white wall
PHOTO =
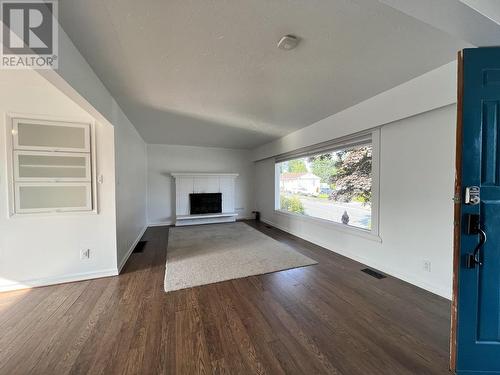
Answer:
(435, 89)
(78, 81)
(41, 249)
(165, 159)
(416, 208)
(131, 188)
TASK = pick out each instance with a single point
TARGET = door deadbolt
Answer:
(472, 195)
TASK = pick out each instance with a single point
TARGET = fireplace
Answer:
(205, 203)
(198, 198)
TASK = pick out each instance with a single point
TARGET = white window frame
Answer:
(19, 210)
(87, 167)
(342, 143)
(25, 120)
(11, 143)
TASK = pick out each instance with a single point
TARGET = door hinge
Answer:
(457, 199)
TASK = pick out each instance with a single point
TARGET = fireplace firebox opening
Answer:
(205, 203)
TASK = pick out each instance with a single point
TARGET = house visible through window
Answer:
(51, 166)
(334, 185)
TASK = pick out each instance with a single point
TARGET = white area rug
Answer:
(206, 254)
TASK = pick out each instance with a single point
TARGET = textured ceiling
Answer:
(208, 73)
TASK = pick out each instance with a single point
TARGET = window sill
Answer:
(333, 225)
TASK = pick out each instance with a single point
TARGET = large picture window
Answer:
(335, 185)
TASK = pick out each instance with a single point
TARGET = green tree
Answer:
(353, 178)
(323, 166)
(297, 166)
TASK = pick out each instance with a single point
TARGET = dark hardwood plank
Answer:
(328, 318)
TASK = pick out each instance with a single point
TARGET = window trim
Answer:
(23, 211)
(30, 120)
(328, 146)
(360, 232)
(372, 137)
(9, 164)
(88, 168)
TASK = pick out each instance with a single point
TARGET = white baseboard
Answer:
(73, 277)
(28, 284)
(132, 247)
(443, 292)
(160, 224)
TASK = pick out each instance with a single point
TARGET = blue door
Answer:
(478, 264)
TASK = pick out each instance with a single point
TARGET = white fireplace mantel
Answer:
(191, 174)
(188, 182)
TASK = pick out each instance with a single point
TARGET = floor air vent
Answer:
(373, 273)
(139, 248)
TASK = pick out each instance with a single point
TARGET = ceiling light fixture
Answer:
(288, 42)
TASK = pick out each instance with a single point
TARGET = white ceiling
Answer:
(470, 20)
(208, 73)
(489, 8)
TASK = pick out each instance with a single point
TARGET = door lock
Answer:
(472, 195)
(473, 226)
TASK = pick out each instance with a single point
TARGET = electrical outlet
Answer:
(427, 265)
(85, 254)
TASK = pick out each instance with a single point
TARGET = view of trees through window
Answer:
(333, 186)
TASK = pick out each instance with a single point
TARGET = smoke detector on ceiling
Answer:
(288, 42)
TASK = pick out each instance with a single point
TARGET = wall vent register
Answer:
(373, 273)
(51, 166)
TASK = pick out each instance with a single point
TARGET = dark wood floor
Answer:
(324, 319)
